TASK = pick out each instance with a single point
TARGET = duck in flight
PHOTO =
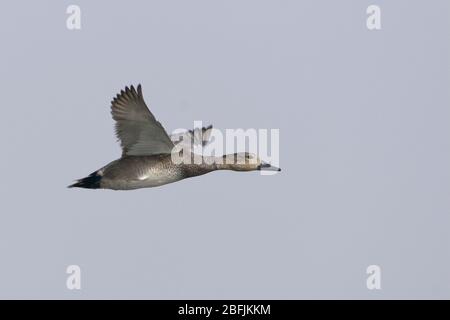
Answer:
(147, 149)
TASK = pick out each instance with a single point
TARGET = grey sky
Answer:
(364, 142)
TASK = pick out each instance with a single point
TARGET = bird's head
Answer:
(245, 161)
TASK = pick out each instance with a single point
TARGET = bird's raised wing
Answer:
(140, 134)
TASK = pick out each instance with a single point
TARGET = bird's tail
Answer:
(90, 182)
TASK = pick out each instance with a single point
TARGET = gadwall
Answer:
(147, 151)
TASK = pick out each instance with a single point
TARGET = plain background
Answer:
(364, 141)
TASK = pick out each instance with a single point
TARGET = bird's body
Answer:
(134, 172)
(147, 157)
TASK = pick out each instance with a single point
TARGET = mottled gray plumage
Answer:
(146, 151)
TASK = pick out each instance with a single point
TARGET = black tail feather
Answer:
(90, 182)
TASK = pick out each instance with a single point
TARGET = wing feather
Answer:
(137, 129)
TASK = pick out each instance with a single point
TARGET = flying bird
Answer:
(147, 149)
